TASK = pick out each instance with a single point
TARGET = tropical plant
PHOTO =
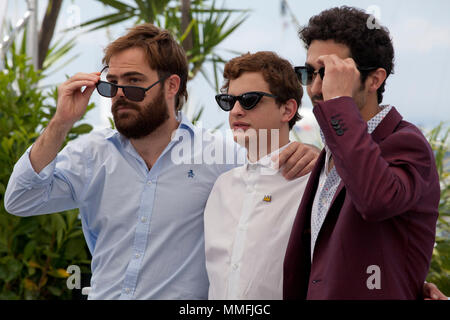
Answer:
(34, 251)
(440, 264)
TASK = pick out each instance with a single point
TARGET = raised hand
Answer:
(72, 100)
(297, 159)
(342, 78)
(72, 104)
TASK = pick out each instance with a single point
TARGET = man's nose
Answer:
(120, 92)
(237, 109)
(316, 86)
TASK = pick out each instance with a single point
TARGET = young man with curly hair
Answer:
(366, 225)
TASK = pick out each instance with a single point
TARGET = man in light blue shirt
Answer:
(141, 211)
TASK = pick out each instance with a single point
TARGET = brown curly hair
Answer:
(277, 72)
(369, 47)
(164, 54)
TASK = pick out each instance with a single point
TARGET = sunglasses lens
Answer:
(249, 100)
(304, 75)
(106, 89)
(134, 94)
(225, 101)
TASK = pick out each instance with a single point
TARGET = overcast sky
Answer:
(420, 31)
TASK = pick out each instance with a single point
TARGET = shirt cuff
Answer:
(26, 174)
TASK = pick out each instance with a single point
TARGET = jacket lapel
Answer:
(387, 125)
(314, 181)
(301, 222)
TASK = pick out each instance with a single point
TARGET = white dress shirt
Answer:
(248, 221)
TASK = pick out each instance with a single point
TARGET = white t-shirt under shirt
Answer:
(248, 221)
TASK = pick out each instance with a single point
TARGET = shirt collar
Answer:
(185, 125)
(265, 161)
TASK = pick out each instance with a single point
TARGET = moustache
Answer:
(123, 103)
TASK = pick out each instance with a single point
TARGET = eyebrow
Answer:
(127, 75)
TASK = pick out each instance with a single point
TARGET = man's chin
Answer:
(243, 138)
(124, 121)
(135, 130)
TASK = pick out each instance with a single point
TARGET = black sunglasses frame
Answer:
(139, 91)
(241, 100)
(299, 71)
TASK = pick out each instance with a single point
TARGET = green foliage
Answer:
(440, 264)
(34, 251)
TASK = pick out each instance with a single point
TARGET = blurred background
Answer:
(42, 42)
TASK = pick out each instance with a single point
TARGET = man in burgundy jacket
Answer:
(366, 225)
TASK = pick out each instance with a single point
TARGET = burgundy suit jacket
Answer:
(383, 214)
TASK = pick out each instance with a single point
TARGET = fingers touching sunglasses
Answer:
(307, 74)
(247, 100)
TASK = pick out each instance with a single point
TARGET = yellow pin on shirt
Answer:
(267, 198)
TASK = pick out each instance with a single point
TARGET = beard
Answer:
(360, 97)
(135, 125)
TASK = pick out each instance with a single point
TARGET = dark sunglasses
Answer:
(247, 100)
(109, 90)
(306, 74)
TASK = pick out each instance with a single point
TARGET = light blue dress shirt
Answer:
(143, 227)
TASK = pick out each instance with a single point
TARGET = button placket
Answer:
(141, 235)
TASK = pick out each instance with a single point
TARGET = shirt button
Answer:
(127, 290)
(149, 182)
(137, 255)
(235, 266)
(143, 219)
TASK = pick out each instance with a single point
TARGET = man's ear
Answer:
(172, 85)
(376, 79)
(288, 110)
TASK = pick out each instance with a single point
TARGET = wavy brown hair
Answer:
(369, 47)
(163, 52)
(277, 72)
